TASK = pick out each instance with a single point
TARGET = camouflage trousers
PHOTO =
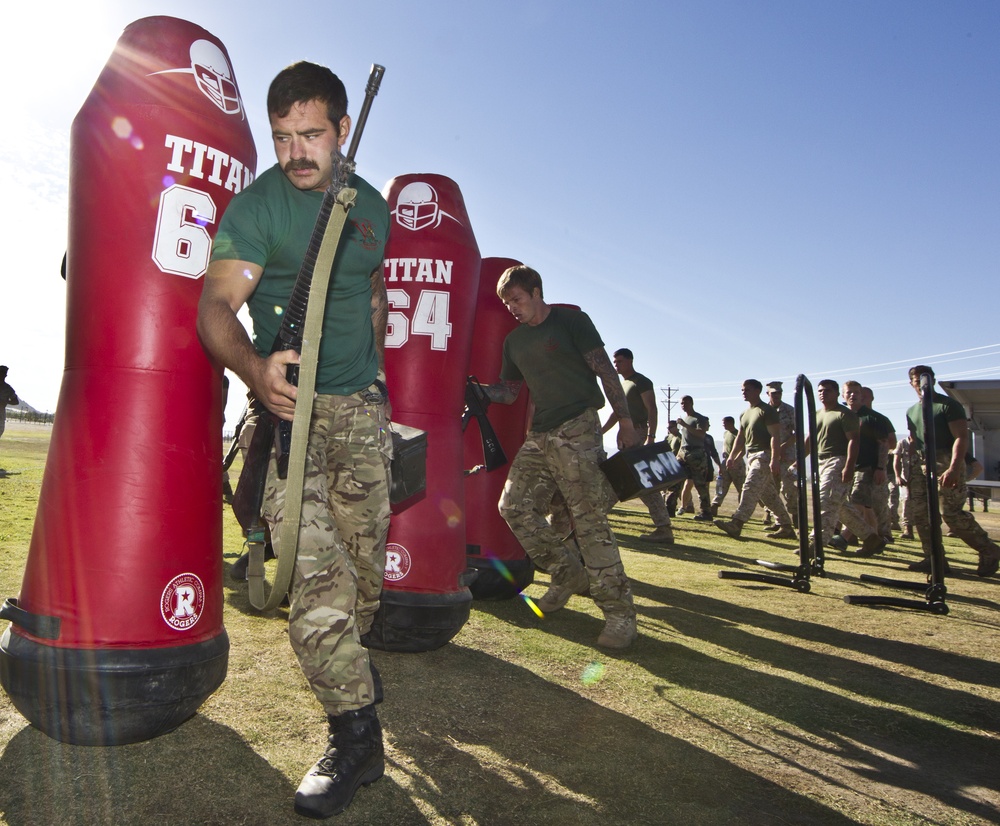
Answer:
(790, 486)
(893, 503)
(759, 486)
(880, 506)
(657, 508)
(567, 459)
(695, 462)
(341, 555)
(951, 502)
(834, 502)
(737, 476)
(905, 507)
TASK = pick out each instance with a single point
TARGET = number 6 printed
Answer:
(182, 245)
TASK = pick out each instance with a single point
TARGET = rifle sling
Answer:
(288, 544)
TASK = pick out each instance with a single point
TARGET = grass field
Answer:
(741, 703)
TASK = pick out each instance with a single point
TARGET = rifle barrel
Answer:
(374, 81)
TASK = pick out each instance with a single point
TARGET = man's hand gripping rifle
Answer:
(476, 402)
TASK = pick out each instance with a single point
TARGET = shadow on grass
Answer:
(202, 772)
(469, 738)
(528, 751)
(924, 754)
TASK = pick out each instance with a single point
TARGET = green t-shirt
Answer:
(688, 439)
(270, 224)
(548, 357)
(727, 443)
(874, 428)
(832, 427)
(946, 410)
(634, 386)
(754, 423)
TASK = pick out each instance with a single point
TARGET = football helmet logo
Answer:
(417, 207)
(214, 76)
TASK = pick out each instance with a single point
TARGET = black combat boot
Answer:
(353, 758)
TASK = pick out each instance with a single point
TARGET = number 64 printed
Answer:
(430, 318)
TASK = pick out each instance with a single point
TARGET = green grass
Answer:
(741, 703)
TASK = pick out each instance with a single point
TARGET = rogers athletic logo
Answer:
(182, 602)
(397, 562)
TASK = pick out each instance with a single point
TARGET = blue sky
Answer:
(732, 189)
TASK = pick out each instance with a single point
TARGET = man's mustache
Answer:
(300, 164)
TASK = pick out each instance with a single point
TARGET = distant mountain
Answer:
(23, 410)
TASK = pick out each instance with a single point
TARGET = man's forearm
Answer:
(380, 315)
(883, 455)
(958, 451)
(503, 392)
(227, 340)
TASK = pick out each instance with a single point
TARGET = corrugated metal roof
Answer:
(981, 399)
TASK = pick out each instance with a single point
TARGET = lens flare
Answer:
(451, 512)
(592, 673)
(532, 606)
(121, 127)
(504, 571)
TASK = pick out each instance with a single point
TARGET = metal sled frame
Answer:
(934, 588)
(810, 562)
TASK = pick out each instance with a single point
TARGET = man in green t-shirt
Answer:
(337, 580)
(693, 428)
(730, 477)
(788, 484)
(759, 437)
(837, 443)
(951, 442)
(641, 399)
(559, 354)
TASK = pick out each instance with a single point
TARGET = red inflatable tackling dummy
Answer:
(117, 635)
(503, 569)
(432, 280)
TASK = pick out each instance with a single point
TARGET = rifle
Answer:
(476, 402)
(250, 489)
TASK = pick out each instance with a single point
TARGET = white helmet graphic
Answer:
(214, 76)
(417, 206)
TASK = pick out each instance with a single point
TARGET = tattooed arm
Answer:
(599, 362)
(380, 321)
(380, 315)
(503, 392)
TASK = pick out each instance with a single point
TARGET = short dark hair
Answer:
(728, 419)
(624, 352)
(520, 276)
(830, 383)
(687, 399)
(915, 372)
(755, 384)
(305, 81)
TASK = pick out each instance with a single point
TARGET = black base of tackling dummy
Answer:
(411, 622)
(109, 697)
(490, 583)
